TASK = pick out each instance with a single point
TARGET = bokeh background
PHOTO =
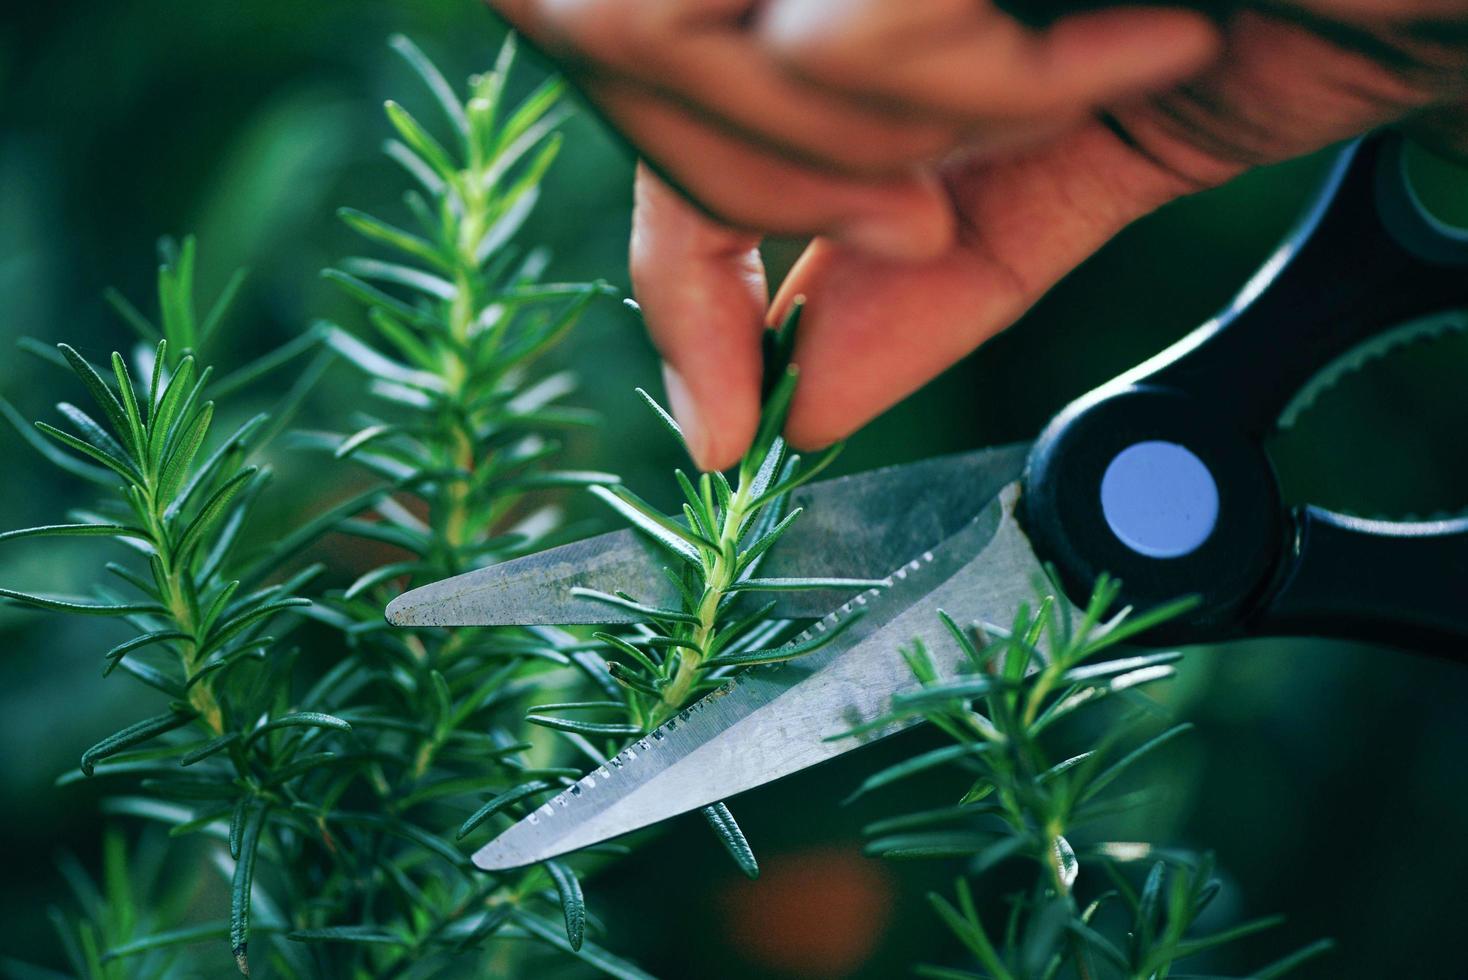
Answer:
(1328, 777)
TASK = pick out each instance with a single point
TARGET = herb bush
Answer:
(324, 759)
(321, 752)
(1015, 698)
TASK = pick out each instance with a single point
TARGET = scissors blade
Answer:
(773, 721)
(859, 526)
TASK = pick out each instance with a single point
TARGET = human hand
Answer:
(826, 133)
(1291, 80)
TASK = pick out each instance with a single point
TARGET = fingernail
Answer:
(685, 412)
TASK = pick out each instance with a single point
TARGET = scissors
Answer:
(1157, 478)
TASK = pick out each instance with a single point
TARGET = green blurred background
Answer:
(1328, 777)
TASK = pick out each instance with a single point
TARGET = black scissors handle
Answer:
(1160, 479)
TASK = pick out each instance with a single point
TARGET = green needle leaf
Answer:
(1104, 778)
(790, 651)
(380, 231)
(612, 966)
(212, 510)
(53, 455)
(78, 531)
(361, 438)
(222, 305)
(729, 834)
(631, 605)
(807, 472)
(207, 748)
(573, 905)
(371, 935)
(180, 455)
(129, 401)
(762, 544)
(621, 645)
(1098, 942)
(267, 363)
(1287, 964)
(679, 540)
(1192, 947)
(433, 78)
(116, 654)
(237, 825)
(500, 802)
(104, 396)
(417, 139)
(917, 764)
(803, 584)
(240, 885)
(129, 314)
(113, 462)
(170, 405)
(301, 719)
(662, 416)
(395, 273)
(971, 934)
(165, 940)
(70, 605)
(136, 734)
(583, 727)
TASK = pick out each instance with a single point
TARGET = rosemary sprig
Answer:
(232, 746)
(462, 440)
(1017, 688)
(716, 547)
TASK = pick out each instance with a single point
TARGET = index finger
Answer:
(702, 289)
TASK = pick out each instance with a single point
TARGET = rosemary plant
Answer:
(337, 779)
(463, 442)
(232, 751)
(1024, 800)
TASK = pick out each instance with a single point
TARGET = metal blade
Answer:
(859, 526)
(772, 721)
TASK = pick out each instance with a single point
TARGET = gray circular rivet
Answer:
(1159, 499)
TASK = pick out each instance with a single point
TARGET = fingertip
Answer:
(808, 433)
(730, 444)
(717, 426)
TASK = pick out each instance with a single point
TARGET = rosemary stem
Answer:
(170, 580)
(719, 576)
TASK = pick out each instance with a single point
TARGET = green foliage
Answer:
(327, 783)
(1032, 794)
(196, 608)
(130, 921)
(464, 441)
